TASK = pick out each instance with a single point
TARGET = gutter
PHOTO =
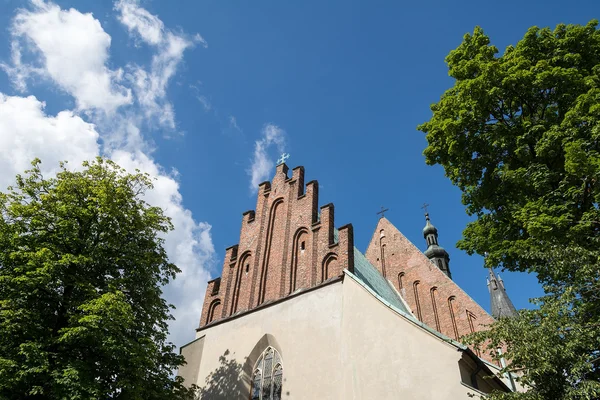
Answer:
(481, 366)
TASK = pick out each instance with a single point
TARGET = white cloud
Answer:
(136, 19)
(189, 246)
(26, 132)
(262, 163)
(72, 50)
(150, 86)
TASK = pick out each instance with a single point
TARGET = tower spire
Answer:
(436, 253)
(500, 303)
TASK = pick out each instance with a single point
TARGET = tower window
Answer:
(247, 268)
(267, 380)
(302, 246)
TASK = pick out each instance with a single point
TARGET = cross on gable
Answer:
(283, 158)
(383, 210)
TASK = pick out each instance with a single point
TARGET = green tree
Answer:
(519, 134)
(81, 268)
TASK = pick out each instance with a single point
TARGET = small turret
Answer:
(436, 253)
(500, 303)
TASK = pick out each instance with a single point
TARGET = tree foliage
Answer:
(519, 134)
(81, 268)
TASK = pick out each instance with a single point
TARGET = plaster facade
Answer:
(338, 341)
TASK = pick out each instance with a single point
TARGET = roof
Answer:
(370, 276)
(500, 302)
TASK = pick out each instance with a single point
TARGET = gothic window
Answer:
(400, 283)
(267, 380)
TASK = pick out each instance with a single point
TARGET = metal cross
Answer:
(283, 158)
(383, 210)
(425, 205)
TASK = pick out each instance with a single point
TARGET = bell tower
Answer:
(436, 253)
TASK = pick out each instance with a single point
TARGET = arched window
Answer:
(268, 376)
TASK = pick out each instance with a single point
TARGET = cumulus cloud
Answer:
(189, 246)
(27, 132)
(150, 85)
(72, 50)
(272, 136)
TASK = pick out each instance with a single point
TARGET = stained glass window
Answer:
(256, 385)
(277, 382)
(267, 381)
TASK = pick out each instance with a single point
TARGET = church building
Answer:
(300, 313)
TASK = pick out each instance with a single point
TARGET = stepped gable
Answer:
(433, 297)
(286, 244)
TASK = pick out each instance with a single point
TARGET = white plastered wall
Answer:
(337, 342)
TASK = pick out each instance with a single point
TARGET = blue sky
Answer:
(202, 93)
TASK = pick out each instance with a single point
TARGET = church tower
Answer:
(436, 253)
(500, 303)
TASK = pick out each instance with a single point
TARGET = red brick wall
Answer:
(433, 297)
(284, 246)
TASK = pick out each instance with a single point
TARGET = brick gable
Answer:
(286, 244)
(432, 296)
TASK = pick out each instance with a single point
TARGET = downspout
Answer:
(507, 374)
(474, 376)
(481, 366)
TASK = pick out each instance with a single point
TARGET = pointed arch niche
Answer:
(452, 308)
(401, 282)
(213, 310)
(271, 266)
(417, 301)
(243, 281)
(433, 293)
(330, 263)
(301, 261)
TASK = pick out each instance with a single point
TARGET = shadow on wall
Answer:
(224, 382)
(227, 382)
